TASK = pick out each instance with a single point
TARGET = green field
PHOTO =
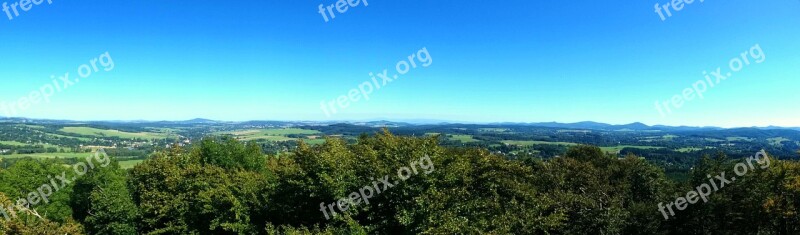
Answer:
(13, 143)
(463, 138)
(64, 136)
(617, 149)
(658, 138)
(573, 131)
(32, 126)
(777, 140)
(272, 134)
(267, 138)
(113, 133)
(163, 129)
(526, 143)
(317, 141)
(124, 164)
(49, 155)
(500, 130)
(738, 139)
(690, 149)
(289, 131)
(129, 163)
(614, 149)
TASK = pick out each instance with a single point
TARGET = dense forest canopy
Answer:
(220, 185)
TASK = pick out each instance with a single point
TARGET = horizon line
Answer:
(409, 121)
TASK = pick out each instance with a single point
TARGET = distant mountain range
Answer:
(588, 125)
(636, 126)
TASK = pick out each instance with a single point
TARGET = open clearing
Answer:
(499, 130)
(691, 149)
(617, 149)
(129, 163)
(573, 131)
(32, 126)
(738, 139)
(669, 137)
(273, 134)
(124, 164)
(614, 149)
(777, 140)
(64, 136)
(526, 143)
(13, 143)
(314, 141)
(113, 133)
(463, 138)
(49, 155)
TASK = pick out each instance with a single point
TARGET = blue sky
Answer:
(519, 61)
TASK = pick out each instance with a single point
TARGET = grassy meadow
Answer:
(113, 133)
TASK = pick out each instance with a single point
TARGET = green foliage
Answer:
(227, 153)
(762, 201)
(29, 222)
(222, 186)
(102, 201)
(475, 192)
(27, 175)
(176, 193)
(600, 194)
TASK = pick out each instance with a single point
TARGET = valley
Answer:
(675, 149)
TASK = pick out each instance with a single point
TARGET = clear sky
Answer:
(518, 61)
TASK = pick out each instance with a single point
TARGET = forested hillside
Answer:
(388, 184)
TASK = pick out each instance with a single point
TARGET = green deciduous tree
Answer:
(102, 201)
